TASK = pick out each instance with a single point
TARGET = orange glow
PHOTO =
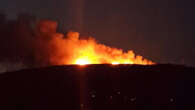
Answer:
(115, 63)
(53, 48)
(73, 50)
(82, 61)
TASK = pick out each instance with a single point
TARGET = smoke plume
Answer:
(36, 44)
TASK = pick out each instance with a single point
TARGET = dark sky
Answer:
(160, 30)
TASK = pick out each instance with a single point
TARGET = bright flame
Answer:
(115, 63)
(82, 61)
(72, 50)
(60, 50)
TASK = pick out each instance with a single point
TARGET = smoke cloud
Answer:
(27, 42)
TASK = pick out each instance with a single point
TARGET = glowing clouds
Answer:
(71, 49)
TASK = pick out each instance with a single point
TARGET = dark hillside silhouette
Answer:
(99, 87)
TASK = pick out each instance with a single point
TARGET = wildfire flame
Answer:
(74, 50)
(82, 61)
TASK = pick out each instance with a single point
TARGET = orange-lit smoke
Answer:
(73, 50)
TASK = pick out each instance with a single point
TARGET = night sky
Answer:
(160, 30)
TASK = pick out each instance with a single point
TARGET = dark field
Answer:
(99, 87)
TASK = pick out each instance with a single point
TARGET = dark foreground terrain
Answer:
(99, 87)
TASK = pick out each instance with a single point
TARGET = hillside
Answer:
(99, 87)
